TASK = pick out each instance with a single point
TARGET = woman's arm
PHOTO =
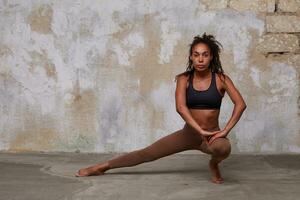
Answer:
(239, 107)
(239, 104)
(181, 108)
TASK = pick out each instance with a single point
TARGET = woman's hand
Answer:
(205, 135)
(218, 134)
(209, 133)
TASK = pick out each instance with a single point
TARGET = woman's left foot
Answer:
(217, 178)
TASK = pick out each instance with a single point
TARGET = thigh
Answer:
(175, 142)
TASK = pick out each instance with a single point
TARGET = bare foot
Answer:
(217, 178)
(94, 170)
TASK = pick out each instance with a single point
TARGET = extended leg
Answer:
(175, 142)
(181, 140)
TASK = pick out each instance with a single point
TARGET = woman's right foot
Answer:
(94, 170)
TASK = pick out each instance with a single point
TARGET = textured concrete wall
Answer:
(97, 76)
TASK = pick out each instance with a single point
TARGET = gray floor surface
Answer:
(176, 177)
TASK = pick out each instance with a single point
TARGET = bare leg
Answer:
(219, 150)
(175, 142)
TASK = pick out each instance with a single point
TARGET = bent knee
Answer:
(221, 147)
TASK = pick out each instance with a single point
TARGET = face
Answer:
(201, 57)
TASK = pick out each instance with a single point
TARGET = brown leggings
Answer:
(181, 140)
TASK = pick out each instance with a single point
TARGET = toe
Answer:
(78, 174)
(217, 181)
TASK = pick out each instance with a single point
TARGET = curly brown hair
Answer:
(214, 46)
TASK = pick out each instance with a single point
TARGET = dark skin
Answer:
(205, 122)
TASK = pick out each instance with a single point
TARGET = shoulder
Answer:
(224, 79)
(182, 77)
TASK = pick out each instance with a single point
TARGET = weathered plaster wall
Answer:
(97, 76)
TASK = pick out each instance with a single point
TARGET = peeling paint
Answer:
(98, 76)
(283, 80)
(255, 76)
(169, 39)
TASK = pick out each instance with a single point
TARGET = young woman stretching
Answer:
(198, 96)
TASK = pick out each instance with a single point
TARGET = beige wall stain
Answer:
(41, 59)
(40, 19)
(126, 56)
(150, 73)
(4, 50)
(32, 139)
(82, 110)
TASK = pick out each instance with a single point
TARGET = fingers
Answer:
(212, 139)
(210, 133)
(215, 132)
(206, 140)
(209, 137)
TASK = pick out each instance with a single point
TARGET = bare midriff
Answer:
(207, 119)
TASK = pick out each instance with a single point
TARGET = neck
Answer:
(202, 74)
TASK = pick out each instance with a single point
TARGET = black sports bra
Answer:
(206, 99)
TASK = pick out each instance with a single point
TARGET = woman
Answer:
(198, 96)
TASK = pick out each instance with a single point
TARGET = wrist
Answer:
(227, 130)
(200, 131)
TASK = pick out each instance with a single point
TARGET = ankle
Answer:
(214, 162)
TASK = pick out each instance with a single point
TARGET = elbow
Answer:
(179, 109)
(243, 106)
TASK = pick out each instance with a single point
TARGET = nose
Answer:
(200, 59)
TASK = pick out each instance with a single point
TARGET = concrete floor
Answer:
(179, 176)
